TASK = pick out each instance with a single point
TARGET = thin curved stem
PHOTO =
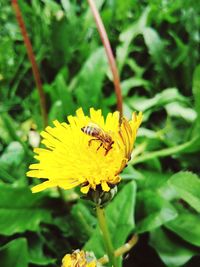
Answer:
(126, 247)
(165, 152)
(122, 250)
(106, 236)
(32, 60)
(109, 53)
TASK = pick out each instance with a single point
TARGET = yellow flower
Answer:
(78, 258)
(71, 160)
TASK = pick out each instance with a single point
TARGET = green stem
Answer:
(106, 236)
(165, 152)
(122, 250)
(61, 194)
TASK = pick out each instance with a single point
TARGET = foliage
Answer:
(156, 46)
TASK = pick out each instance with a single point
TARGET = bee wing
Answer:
(97, 127)
(93, 125)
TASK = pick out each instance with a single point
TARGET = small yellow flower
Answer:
(71, 159)
(78, 259)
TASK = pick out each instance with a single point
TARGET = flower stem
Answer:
(126, 247)
(165, 152)
(32, 60)
(106, 236)
(61, 194)
(109, 53)
(122, 250)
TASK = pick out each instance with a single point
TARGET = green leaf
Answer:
(130, 173)
(14, 253)
(128, 35)
(159, 100)
(176, 109)
(67, 6)
(62, 93)
(65, 48)
(20, 210)
(10, 160)
(156, 49)
(56, 112)
(131, 83)
(172, 251)
(187, 185)
(152, 180)
(181, 51)
(187, 226)
(196, 92)
(13, 155)
(122, 8)
(12, 128)
(36, 253)
(88, 82)
(83, 221)
(119, 215)
(61, 97)
(152, 211)
(5, 136)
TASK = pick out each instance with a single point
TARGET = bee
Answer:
(99, 135)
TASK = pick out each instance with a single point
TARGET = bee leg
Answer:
(90, 141)
(106, 151)
(99, 146)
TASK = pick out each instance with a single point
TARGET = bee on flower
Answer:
(99, 134)
(88, 151)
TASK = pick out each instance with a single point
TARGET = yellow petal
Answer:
(105, 187)
(85, 189)
(42, 186)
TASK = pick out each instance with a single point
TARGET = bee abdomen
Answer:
(90, 131)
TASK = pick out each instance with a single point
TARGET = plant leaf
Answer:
(14, 253)
(196, 92)
(187, 185)
(13, 155)
(152, 211)
(90, 79)
(20, 210)
(128, 35)
(36, 253)
(187, 226)
(172, 252)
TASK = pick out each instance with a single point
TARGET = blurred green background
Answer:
(156, 44)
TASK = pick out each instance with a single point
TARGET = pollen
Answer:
(76, 157)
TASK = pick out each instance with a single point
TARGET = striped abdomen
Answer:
(92, 131)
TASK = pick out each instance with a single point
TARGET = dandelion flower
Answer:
(78, 258)
(72, 159)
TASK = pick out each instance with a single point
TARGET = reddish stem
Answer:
(31, 57)
(109, 53)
